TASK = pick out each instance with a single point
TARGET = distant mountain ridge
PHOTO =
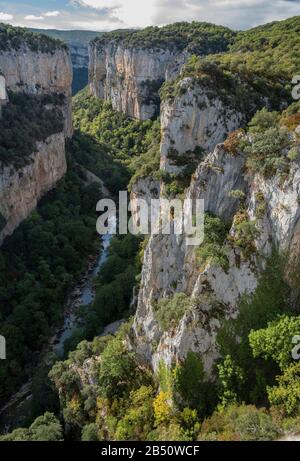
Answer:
(77, 41)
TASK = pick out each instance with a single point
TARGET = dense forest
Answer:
(26, 120)
(198, 37)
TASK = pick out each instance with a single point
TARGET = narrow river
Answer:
(82, 295)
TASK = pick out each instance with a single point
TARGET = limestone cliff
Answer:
(129, 77)
(3, 93)
(39, 72)
(194, 118)
(40, 69)
(21, 189)
(129, 67)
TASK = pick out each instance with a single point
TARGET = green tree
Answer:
(275, 341)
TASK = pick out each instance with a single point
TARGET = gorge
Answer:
(189, 111)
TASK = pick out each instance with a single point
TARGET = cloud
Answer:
(237, 14)
(6, 17)
(104, 15)
(51, 14)
(32, 17)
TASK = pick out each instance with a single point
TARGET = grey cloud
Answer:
(235, 14)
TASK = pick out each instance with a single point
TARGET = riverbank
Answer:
(82, 293)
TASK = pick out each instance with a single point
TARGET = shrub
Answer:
(118, 370)
(90, 433)
(239, 423)
(266, 152)
(232, 143)
(163, 411)
(245, 233)
(45, 428)
(263, 120)
(189, 383)
(213, 249)
(139, 417)
(287, 394)
(26, 120)
(275, 341)
(294, 154)
(261, 206)
(16, 37)
(255, 312)
(230, 381)
(169, 311)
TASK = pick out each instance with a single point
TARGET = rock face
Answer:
(20, 190)
(129, 77)
(170, 265)
(34, 73)
(80, 63)
(77, 41)
(39, 73)
(194, 120)
(3, 94)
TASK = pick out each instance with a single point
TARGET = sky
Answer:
(105, 15)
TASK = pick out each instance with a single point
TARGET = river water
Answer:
(82, 296)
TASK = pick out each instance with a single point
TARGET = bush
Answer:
(90, 433)
(245, 233)
(201, 38)
(255, 312)
(118, 370)
(263, 120)
(17, 37)
(287, 394)
(190, 388)
(275, 341)
(45, 428)
(239, 423)
(169, 311)
(213, 249)
(266, 152)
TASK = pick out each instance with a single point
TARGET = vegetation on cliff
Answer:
(26, 120)
(196, 37)
(14, 38)
(129, 148)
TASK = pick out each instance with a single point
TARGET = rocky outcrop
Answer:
(144, 189)
(39, 73)
(128, 67)
(3, 94)
(20, 190)
(129, 77)
(194, 119)
(34, 66)
(170, 266)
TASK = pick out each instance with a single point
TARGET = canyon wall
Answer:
(3, 94)
(21, 189)
(193, 119)
(37, 72)
(43, 69)
(129, 77)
